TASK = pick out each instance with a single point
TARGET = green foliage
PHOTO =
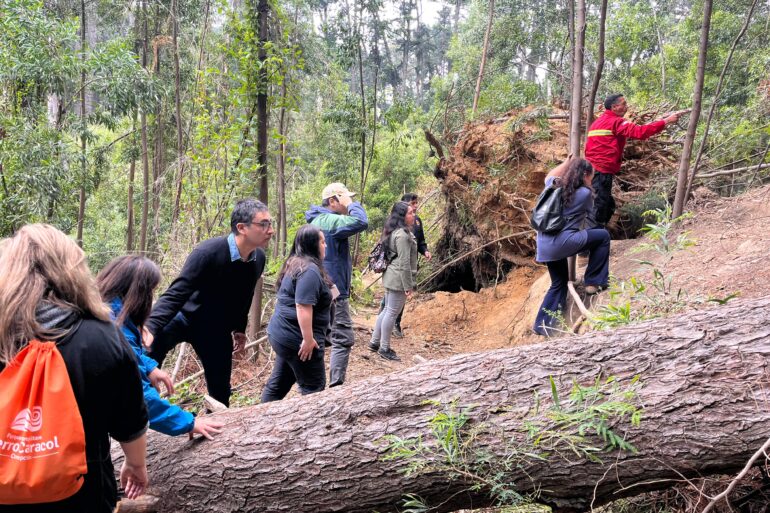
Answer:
(588, 410)
(585, 424)
(659, 232)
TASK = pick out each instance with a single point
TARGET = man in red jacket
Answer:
(604, 149)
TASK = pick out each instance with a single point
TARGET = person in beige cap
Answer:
(340, 218)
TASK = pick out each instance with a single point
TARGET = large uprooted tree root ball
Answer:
(490, 180)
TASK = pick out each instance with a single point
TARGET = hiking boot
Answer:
(593, 289)
(373, 346)
(397, 332)
(389, 355)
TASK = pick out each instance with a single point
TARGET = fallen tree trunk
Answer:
(706, 411)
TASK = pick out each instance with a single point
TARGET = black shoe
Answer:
(389, 355)
(373, 347)
(397, 332)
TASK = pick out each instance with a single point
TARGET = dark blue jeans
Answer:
(214, 352)
(597, 273)
(288, 369)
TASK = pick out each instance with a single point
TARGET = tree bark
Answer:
(484, 51)
(83, 143)
(130, 207)
(684, 162)
(717, 94)
(706, 411)
(145, 159)
(279, 249)
(178, 107)
(263, 11)
(578, 49)
(599, 64)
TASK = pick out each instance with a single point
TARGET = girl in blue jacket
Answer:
(127, 284)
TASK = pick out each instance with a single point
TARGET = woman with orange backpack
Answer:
(69, 382)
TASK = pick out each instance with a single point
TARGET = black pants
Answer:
(288, 369)
(597, 273)
(214, 352)
(604, 203)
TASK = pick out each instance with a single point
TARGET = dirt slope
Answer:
(730, 256)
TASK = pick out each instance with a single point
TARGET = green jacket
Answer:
(402, 270)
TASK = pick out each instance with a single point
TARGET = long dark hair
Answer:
(131, 279)
(574, 178)
(304, 250)
(396, 220)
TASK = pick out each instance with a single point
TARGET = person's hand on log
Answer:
(133, 480)
(157, 376)
(208, 428)
(409, 294)
(306, 348)
(239, 341)
(147, 337)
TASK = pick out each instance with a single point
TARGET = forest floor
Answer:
(729, 256)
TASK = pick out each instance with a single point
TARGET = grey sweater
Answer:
(402, 270)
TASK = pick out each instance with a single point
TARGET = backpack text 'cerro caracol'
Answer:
(42, 441)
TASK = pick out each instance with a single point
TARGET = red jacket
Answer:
(607, 138)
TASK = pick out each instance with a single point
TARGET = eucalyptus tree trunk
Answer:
(407, 41)
(130, 199)
(705, 412)
(578, 50)
(484, 51)
(684, 162)
(158, 160)
(279, 248)
(83, 142)
(145, 159)
(717, 94)
(178, 107)
(263, 11)
(599, 64)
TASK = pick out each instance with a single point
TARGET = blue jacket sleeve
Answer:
(146, 364)
(165, 417)
(355, 222)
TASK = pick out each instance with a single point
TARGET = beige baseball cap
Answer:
(335, 189)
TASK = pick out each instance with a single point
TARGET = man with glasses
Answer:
(340, 218)
(208, 304)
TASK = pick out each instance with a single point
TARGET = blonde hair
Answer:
(40, 262)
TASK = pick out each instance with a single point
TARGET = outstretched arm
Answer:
(560, 169)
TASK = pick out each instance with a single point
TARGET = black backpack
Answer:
(378, 258)
(547, 216)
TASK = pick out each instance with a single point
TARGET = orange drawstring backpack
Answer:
(42, 441)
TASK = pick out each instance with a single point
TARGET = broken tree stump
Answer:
(706, 411)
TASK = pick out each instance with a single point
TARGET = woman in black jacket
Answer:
(48, 293)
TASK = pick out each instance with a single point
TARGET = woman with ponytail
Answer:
(574, 177)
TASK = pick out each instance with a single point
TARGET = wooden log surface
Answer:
(706, 411)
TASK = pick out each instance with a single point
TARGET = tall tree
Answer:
(599, 64)
(684, 162)
(178, 108)
(717, 94)
(84, 124)
(145, 158)
(263, 13)
(484, 50)
(578, 50)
